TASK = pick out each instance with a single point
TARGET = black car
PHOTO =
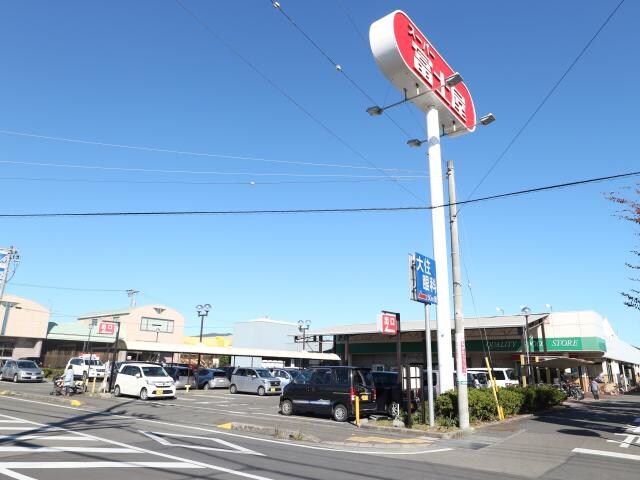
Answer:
(330, 391)
(389, 397)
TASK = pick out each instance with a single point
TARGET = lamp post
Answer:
(500, 310)
(303, 326)
(526, 311)
(203, 311)
(157, 330)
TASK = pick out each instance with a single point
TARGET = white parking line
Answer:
(89, 465)
(67, 449)
(66, 438)
(604, 453)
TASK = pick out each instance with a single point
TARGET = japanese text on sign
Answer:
(387, 323)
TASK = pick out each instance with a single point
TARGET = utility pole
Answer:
(461, 361)
(112, 367)
(7, 255)
(131, 293)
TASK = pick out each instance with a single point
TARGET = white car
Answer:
(86, 367)
(143, 380)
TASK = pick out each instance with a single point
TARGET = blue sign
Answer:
(424, 285)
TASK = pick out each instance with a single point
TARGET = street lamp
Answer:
(500, 310)
(486, 120)
(549, 307)
(203, 311)
(303, 326)
(526, 311)
(157, 330)
(450, 81)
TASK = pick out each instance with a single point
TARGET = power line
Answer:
(339, 68)
(77, 289)
(313, 210)
(176, 182)
(282, 92)
(190, 153)
(544, 100)
(194, 172)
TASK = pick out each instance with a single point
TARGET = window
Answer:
(304, 378)
(76, 361)
(148, 324)
(154, 371)
(241, 372)
(498, 374)
(262, 373)
(127, 370)
(6, 349)
(27, 364)
(342, 377)
(321, 377)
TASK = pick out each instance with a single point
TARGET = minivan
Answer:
(504, 377)
(144, 380)
(330, 391)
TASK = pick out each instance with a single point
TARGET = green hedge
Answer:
(482, 407)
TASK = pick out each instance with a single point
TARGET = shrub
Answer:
(511, 400)
(446, 405)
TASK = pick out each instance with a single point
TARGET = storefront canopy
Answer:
(562, 363)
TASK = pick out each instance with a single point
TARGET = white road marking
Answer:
(28, 428)
(16, 475)
(124, 445)
(10, 421)
(66, 438)
(67, 449)
(219, 432)
(233, 448)
(89, 465)
(603, 453)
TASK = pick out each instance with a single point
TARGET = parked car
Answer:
(389, 396)
(254, 380)
(330, 391)
(86, 367)
(182, 376)
(144, 380)
(285, 375)
(212, 378)
(504, 377)
(22, 371)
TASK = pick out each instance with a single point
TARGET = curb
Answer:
(410, 432)
(60, 400)
(283, 434)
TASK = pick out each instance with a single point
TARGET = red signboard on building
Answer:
(387, 324)
(106, 328)
(415, 67)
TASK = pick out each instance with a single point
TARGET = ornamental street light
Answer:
(203, 311)
(157, 325)
(303, 326)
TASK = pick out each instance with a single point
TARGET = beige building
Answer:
(23, 328)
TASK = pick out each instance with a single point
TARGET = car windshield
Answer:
(264, 373)
(363, 378)
(93, 362)
(511, 375)
(293, 373)
(154, 372)
(27, 364)
(220, 373)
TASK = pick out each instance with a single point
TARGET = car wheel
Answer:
(233, 389)
(206, 386)
(261, 391)
(393, 409)
(143, 394)
(116, 391)
(286, 407)
(340, 413)
(15, 378)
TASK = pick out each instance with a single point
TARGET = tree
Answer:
(630, 212)
(224, 361)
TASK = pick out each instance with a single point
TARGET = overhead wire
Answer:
(191, 153)
(547, 96)
(196, 172)
(77, 289)
(316, 210)
(282, 92)
(338, 67)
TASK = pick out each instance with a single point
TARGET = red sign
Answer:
(106, 328)
(387, 324)
(414, 66)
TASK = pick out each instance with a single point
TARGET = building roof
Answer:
(107, 313)
(419, 325)
(231, 351)
(76, 332)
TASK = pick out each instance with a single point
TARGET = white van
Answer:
(504, 377)
(86, 366)
(144, 380)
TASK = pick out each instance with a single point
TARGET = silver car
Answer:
(22, 371)
(254, 380)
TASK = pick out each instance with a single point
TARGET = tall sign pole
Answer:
(414, 66)
(461, 354)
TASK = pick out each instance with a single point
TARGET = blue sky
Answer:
(147, 74)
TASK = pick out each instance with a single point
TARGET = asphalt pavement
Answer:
(174, 438)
